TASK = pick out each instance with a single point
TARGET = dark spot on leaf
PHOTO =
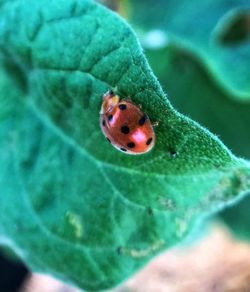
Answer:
(119, 250)
(142, 120)
(217, 164)
(122, 107)
(125, 129)
(131, 145)
(103, 123)
(150, 211)
(173, 153)
(110, 117)
(73, 8)
(123, 149)
(108, 139)
(149, 141)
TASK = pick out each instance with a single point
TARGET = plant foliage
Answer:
(70, 204)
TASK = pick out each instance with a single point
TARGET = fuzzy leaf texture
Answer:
(212, 109)
(218, 32)
(71, 205)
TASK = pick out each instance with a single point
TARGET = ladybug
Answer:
(125, 126)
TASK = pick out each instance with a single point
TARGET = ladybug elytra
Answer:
(125, 126)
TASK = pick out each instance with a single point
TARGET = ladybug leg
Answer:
(128, 99)
(111, 92)
(155, 124)
(114, 90)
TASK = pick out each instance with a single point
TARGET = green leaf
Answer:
(211, 109)
(216, 31)
(197, 95)
(70, 204)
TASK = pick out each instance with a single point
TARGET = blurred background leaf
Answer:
(218, 32)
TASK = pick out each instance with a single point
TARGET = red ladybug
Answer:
(125, 126)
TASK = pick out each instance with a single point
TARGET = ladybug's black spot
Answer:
(125, 129)
(131, 145)
(149, 141)
(122, 107)
(123, 149)
(108, 139)
(142, 120)
(110, 117)
(103, 123)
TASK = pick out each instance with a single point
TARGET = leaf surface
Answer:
(212, 108)
(70, 204)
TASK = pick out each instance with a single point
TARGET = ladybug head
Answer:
(109, 101)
